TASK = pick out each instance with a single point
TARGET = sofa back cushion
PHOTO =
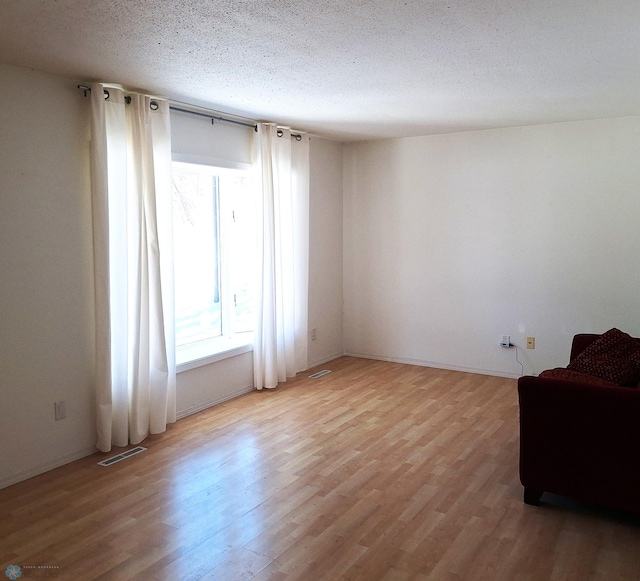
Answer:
(563, 374)
(614, 356)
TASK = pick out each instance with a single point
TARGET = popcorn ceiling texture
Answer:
(348, 69)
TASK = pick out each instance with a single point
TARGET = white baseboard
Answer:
(324, 360)
(42, 468)
(435, 365)
(210, 403)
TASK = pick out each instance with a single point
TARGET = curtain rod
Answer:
(87, 89)
(213, 118)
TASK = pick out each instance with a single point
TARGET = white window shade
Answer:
(195, 139)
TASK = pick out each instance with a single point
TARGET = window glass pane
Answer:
(196, 257)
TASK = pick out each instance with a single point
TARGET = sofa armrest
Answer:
(580, 440)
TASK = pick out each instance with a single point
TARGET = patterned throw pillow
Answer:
(615, 357)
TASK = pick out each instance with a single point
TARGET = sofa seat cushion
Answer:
(569, 375)
(614, 357)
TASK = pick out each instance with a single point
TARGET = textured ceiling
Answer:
(348, 69)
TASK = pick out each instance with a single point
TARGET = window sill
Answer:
(212, 350)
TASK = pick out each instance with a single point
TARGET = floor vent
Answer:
(319, 374)
(122, 456)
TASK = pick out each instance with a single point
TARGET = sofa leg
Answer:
(532, 496)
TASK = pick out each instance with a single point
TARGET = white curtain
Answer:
(131, 183)
(280, 334)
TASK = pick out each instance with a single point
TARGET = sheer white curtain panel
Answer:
(280, 335)
(131, 196)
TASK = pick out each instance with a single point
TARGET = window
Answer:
(214, 248)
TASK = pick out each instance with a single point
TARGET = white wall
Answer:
(451, 241)
(203, 387)
(46, 276)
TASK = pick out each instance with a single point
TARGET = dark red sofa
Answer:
(580, 440)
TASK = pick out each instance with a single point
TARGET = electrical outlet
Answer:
(531, 342)
(60, 410)
(314, 334)
(505, 341)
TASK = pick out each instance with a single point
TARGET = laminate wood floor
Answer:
(376, 471)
